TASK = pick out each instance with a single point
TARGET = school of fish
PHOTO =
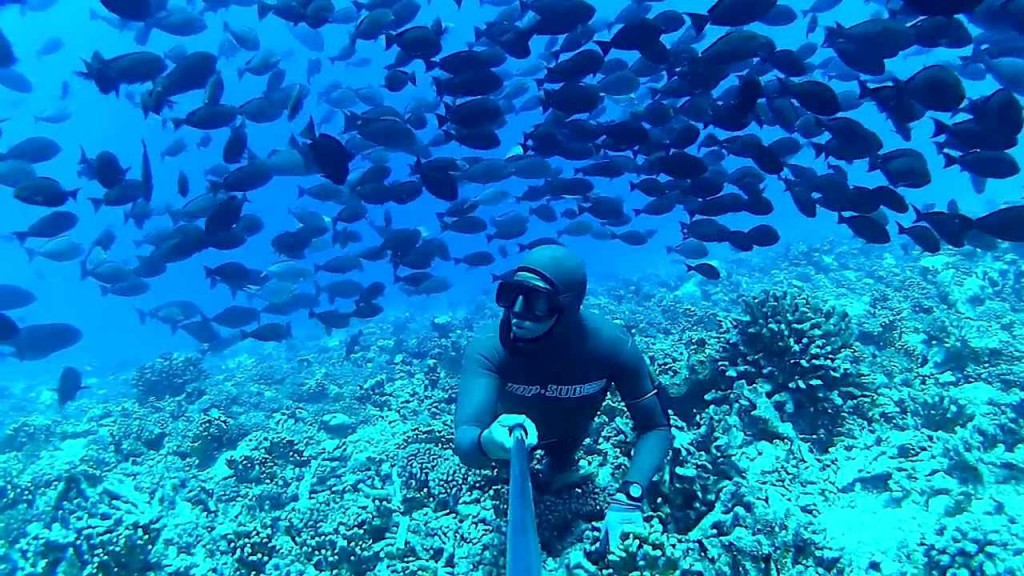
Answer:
(658, 96)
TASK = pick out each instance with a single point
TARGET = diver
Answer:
(548, 366)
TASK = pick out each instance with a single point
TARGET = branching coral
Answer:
(210, 437)
(431, 472)
(791, 341)
(169, 376)
(136, 431)
(28, 434)
(252, 545)
(105, 529)
(803, 350)
(967, 545)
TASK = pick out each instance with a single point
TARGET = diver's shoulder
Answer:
(487, 339)
(604, 332)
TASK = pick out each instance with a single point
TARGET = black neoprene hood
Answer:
(561, 269)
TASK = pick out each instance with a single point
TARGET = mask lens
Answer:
(537, 304)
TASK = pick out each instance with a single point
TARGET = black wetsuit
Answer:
(560, 381)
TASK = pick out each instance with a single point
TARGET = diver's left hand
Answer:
(622, 516)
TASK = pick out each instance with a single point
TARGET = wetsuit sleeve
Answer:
(476, 403)
(643, 398)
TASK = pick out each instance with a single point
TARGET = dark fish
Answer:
(105, 168)
(341, 264)
(332, 158)
(236, 317)
(131, 10)
(572, 99)
(246, 178)
(270, 332)
(941, 32)
(970, 134)
(208, 117)
(438, 181)
(7, 56)
(49, 226)
(633, 237)
(13, 297)
(902, 168)
(344, 289)
(476, 259)
(418, 42)
(866, 227)
(128, 288)
(479, 82)
(40, 341)
(691, 249)
(558, 17)
(941, 7)
(475, 113)
(763, 235)
(465, 225)
(642, 35)
(331, 320)
(235, 275)
(465, 60)
(1005, 224)
(397, 80)
(814, 96)
(69, 385)
(225, 215)
(937, 88)
(576, 68)
(8, 328)
(44, 192)
(922, 236)
(132, 68)
(706, 270)
(149, 267)
(984, 163)
(705, 230)
(732, 13)
(366, 310)
(202, 331)
(236, 144)
(182, 184)
(353, 343)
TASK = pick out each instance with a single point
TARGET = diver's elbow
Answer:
(468, 448)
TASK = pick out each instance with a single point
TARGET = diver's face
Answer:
(528, 329)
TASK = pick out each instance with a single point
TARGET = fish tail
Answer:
(699, 22)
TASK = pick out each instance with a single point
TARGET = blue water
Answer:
(113, 337)
(115, 343)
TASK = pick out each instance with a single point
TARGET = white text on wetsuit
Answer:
(553, 391)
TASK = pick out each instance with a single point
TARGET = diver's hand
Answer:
(622, 516)
(496, 440)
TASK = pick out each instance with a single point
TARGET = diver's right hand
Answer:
(496, 440)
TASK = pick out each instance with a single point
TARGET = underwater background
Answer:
(841, 404)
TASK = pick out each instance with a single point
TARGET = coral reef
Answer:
(807, 399)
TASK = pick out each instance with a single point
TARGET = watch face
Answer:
(635, 491)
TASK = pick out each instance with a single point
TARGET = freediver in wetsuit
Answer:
(548, 367)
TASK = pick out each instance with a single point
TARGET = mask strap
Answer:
(547, 279)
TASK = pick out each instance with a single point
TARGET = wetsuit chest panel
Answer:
(560, 396)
